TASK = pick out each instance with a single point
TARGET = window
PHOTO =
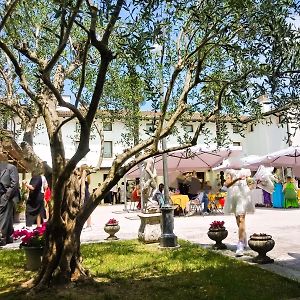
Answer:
(251, 127)
(107, 126)
(107, 149)
(188, 128)
(236, 144)
(236, 128)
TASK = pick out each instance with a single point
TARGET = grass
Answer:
(130, 270)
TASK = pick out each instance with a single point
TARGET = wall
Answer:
(264, 139)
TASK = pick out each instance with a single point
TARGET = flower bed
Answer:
(31, 237)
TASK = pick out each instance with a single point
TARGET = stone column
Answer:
(168, 239)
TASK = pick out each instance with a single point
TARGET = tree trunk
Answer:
(62, 258)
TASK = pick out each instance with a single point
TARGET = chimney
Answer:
(66, 98)
(263, 100)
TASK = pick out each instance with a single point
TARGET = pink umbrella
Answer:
(193, 158)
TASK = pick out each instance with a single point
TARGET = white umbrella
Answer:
(289, 157)
(238, 163)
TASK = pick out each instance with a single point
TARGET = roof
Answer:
(194, 117)
(12, 152)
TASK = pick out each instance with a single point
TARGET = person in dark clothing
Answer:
(35, 202)
(183, 186)
(9, 197)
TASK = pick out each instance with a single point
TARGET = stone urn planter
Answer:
(261, 243)
(112, 227)
(33, 257)
(217, 233)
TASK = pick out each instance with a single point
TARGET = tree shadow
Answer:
(188, 272)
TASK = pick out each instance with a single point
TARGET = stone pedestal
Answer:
(150, 229)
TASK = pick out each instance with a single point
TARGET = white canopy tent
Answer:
(289, 157)
(243, 162)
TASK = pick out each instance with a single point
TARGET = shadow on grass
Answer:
(129, 270)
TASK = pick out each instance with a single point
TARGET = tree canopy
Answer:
(178, 57)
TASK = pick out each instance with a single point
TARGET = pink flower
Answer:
(217, 225)
(112, 222)
(31, 238)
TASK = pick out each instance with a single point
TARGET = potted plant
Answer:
(217, 233)
(21, 206)
(32, 241)
(261, 243)
(112, 227)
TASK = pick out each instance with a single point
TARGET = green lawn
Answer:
(130, 270)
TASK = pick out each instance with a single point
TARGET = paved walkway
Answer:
(282, 224)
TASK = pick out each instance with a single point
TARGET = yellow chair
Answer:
(213, 204)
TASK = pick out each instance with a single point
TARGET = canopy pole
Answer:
(125, 192)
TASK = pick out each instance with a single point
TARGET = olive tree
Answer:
(215, 59)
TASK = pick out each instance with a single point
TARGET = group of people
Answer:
(196, 189)
(238, 201)
(10, 197)
(38, 197)
(284, 195)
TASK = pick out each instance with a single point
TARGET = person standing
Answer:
(114, 194)
(290, 193)
(238, 202)
(35, 203)
(136, 195)
(9, 196)
(122, 193)
(206, 191)
(267, 199)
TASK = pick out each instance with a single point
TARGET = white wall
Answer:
(264, 139)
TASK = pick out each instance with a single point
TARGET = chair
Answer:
(214, 205)
(196, 205)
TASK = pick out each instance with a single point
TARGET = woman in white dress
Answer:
(239, 202)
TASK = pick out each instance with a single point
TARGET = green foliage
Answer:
(243, 50)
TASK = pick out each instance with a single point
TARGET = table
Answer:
(257, 197)
(181, 200)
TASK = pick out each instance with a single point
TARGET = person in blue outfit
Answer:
(278, 195)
